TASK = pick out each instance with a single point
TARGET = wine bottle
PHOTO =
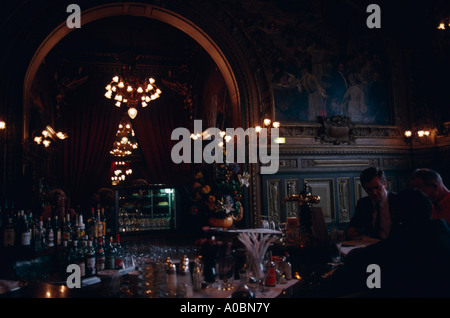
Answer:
(79, 257)
(120, 263)
(90, 259)
(50, 234)
(57, 231)
(98, 226)
(110, 255)
(100, 255)
(67, 229)
(25, 232)
(90, 224)
(9, 234)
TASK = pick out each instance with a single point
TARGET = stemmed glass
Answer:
(336, 238)
(226, 272)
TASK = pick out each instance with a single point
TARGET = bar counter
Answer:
(95, 287)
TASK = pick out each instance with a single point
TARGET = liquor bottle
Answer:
(57, 231)
(100, 255)
(98, 226)
(110, 255)
(25, 231)
(9, 234)
(81, 225)
(33, 225)
(67, 231)
(243, 291)
(76, 230)
(49, 234)
(38, 235)
(103, 220)
(90, 224)
(79, 258)
(120, 263)
(66, 260)
(90, 259)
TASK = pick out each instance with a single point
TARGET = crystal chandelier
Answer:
(125, 143)
(132, 91)
(121, 169)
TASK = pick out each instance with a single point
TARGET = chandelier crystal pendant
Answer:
(132, 91)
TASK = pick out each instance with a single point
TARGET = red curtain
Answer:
(91, 122)
(153, 126)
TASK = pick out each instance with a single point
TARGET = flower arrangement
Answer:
(219, 191)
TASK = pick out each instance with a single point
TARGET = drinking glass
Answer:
(336, 238)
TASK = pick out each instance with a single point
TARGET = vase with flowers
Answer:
(217, 190)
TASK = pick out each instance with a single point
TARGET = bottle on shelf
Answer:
(66, 259)
(57, 231)
(110, 255)
(90, 224)
(79, 257)
(9, 234)
(103, 220)
(100, 255)
(38, 243)
(49, 234)
(24, 231)
(67, 231)
(98, 226)
(82, 226)
(120, 263)
(90, 259)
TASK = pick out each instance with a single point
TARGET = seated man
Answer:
(430, 183)
(373, 213)
(413, 261)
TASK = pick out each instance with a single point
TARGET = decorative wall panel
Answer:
(274, 200)
(343, 187)
(324, 188)
(292, 187)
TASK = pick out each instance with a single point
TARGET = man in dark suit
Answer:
(373, 213)
(412, 262)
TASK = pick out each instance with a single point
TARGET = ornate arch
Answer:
(214, 29)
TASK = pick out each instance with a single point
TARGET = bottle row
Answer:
(92, 256)
(35, 234)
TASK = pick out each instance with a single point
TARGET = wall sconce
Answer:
(268, 124)
(444, 24)
(422, 136)
(2, 125)
(49, 135)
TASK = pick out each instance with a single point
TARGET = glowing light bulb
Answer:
(132, 112)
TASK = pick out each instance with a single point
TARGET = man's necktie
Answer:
(377, 227)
